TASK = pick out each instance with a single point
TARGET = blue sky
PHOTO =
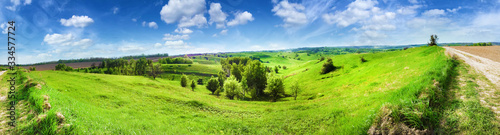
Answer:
(57, 29)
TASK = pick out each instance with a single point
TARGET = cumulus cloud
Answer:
(187, 12)
(413, 1)
(292, 13)
(454, 10)
(197, 20)
(5, 28)
(223, 32)
(241, 18)
(66, 40)
(217, 16)
(183, 31)
(178, 44)
(16, 3)
(153, 25)
(408, 10)
(356, 11)
(434, 12)
(175, 37)
(77, 21)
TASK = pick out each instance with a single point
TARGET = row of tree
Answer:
(481, 44)
(178, 60)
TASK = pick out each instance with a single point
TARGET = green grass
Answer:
(345, 101)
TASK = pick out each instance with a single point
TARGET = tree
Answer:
(232, 87)
(212, 84)
(276, 69)
(221, 77)
(255, 76)
(327, 66)
(155, 70)
(235, 70)
(184, 80)
(275, 87)
(295, 89)
(140, 66)
(433, 40)
(193, 85)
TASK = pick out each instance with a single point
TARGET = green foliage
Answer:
(295, 88)
(433, 40)
(276, 69)
(236, 71)
(184, 80)
(275, 87)
(213, 85)
(255, 76)
(178, 60)
(155, 70)
(327, 66)
(63, 67)
(482, 44)
(193, 85)
(232, 87)
(141, 66)
(221, 77)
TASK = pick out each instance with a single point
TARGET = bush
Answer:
(193, 84)
(295, 89)
(275, 87)
(284, 67)
(327, 66)
(232, 87)
(213, 85)
(362, 59)
(184, 80)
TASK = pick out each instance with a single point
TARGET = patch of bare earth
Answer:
(489, 84)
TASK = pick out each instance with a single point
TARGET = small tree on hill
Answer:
(295, 89)
(433, 40)
(276, 69)
(221, 77)
(327, 66)
(275, 87)
(155, 70)
(212, 84)
(184, 80)
(193, 85)
(231, 87)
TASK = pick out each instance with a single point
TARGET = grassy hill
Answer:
(345, 101)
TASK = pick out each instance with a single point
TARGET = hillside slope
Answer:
(344, 101)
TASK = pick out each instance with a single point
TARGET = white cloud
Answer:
(175, 37)
(115, 10)
(197, 20)
(413, 1)
(487, 20)
(187, 12)
(179, 44)
(223, 32)
(134, 20)
(217, 16)
(454, 10)
(66, 40)
(356, 11)
(183, 31)
(434, 12)
(292, 13)
(408, 10)
(5, 27)
(16, 3)
(241, 18)
(143, 23)
(153, 25)
(157, 45)
(131, 48)
(77, 21)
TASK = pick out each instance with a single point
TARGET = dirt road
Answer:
(488, 67)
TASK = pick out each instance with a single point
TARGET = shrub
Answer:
(213, 85)
(327, 66)
(276, 69)
(284, 67)
(184, 80)
(275, 87)
(193, 85)
(232, 87)
(362, 59)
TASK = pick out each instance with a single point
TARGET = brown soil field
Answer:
(489, 52)
(74, 65)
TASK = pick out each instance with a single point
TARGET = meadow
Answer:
(345, 101)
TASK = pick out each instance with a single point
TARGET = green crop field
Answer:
(345, 101)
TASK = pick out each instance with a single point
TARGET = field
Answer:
(489, 52)
(345, 101)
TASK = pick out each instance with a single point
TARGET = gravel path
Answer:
(489, 68)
